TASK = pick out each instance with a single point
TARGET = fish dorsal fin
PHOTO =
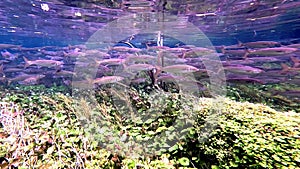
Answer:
(285, 67)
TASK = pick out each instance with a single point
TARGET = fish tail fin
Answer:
(90, 81)
(223, 49)
(247, 52)
(27, 62)
(147, 45)
(9, 82)
(1, 69)
(285, 68)
(240, 43)
(296, 61)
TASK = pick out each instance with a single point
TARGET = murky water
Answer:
(251, 44)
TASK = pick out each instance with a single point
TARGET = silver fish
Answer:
(23, 76)
(9, 55)
(271, 51)
(31, 80)
(42, 62)
(296, 61)
(180, 68)
(107, 79)
(286, 68)
(65, 73)
(107, 62)
(139, 67)
(243, 69)
(260, 44)
(8, 46)
(125, 49)
(140, 58)
(197, 52)
(296, 45)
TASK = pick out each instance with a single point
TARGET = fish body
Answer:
(197, 51)
(180, 68)
(286, 68)
(140, 58)
(296, 45)
(12, 70)
(50, 53)
(243, 69)
(42, 63)
(32, 80)
(139, 67)
(271, 51)
(156, 48)
(21, 78)
(169, 78)
(244, 80)
(125, 49)
(111, 62)
(264, 59)
(8, 46)
(1, 70)
(234, 52)
(232, 62)
(95, 54)
(296, 61)
(64, 73)
(54, 57)
(107, 79)
(260, 44)
(178, 49)
(9, 56)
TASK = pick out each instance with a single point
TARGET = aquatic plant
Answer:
(47, 133)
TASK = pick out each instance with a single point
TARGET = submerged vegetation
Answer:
(41, 128)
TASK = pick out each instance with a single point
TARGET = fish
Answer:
(50, 53)
(286, 68)
(176, 50)
(42, 63)
(180, 68)
(95, 53)
(296, 61)
(197, 51)
(295, 45)
(125, 49)
(2, 70)
(292, 93)
(32, 80)
(140, 58)
(276, 51)
(243, 69)
(12, 70)
(231, 62)
(64, 73)
(234, 52)
(107, 79)
(23, 76)
(73, 53)
(169, 78)
(138, 80)
(244, 80)
(157, 48)
(260, 44)
(264, 59)
(9, 56)
(107, 62)
(54, 57)
(139, 67)
(9, 46)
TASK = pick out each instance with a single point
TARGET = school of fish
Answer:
(250, 62)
